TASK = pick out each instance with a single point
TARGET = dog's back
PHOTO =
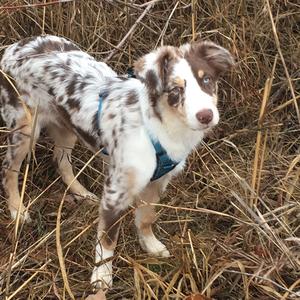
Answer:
(48, 69)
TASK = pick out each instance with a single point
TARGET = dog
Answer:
(146, 125)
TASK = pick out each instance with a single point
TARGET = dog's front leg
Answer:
(145, 217)
(115, 200)
(107, 236)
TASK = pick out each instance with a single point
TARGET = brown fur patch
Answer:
(27, 40)
(111, 116)
(132, 98)
(86, 137)
(175, 96)
(146, 212)
(146, 224)
(165, 62)
(130, 179)
(74, 104)
(51, 91)
(71, 86)
(64, 115)
(195, 58)
(200, 73)
(108, 244)
(209, 58)
(12, 95)
(111, 222)
(152, 83)
(46, 46)
(214, 58)
(180, 82)
(20, 138)
(139, 65)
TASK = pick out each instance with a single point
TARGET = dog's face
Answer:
(182, 82)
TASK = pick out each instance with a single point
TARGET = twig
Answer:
(263, 278)
(193, 20)
(26, 282)
(58, 225)
(258, 154)
(131, 30)
(15, 7)
(166, 26)
(18, 217)
(283, 61)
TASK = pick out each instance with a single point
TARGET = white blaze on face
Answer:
(196, 100)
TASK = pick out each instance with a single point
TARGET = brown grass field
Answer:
(231, 220)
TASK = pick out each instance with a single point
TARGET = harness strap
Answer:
(100, 102)
(164, 164)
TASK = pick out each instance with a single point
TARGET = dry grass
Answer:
(232, 219)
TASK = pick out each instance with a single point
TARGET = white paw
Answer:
(102, 276)
(24, 216)
(153, 246)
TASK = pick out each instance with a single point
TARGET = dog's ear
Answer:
(155, 68)
(167, 56)
(216, 56)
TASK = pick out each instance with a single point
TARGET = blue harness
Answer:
(164, 164)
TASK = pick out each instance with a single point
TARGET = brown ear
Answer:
(165, 62)
(216, 56)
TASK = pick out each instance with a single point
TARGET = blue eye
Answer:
(206, 79)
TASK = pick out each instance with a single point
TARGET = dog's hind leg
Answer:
(18, 147)
(65, 141)
(145, 216)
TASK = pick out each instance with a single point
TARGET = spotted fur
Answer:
(172, 100)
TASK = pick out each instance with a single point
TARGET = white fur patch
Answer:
(102, 275)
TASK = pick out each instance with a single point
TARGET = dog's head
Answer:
(182, 81)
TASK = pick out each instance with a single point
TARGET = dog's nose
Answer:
(204, 116)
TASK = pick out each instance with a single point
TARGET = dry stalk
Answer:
(283, 61)
(131, 30)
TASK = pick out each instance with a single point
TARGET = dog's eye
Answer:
(174, 96)
(175, 90)
(206, 79)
